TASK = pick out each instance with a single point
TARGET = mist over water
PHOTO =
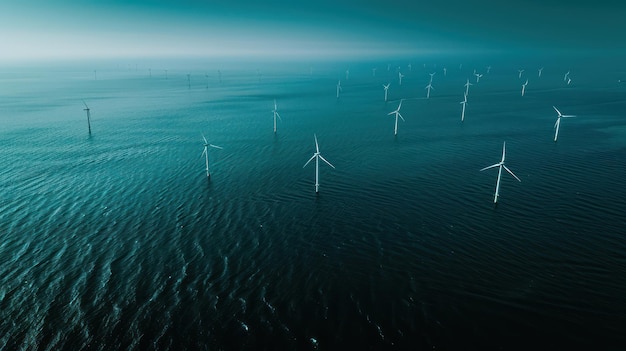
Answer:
(117, 240)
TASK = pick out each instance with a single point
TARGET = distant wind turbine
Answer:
(540, 70)
(478, 75)
(275, 111)
(88, 116)
(467, 85)
(488, 69)
(374, 72)
(338, 88)
(524, 87)
(566, 76)
(464, 102)
(500, 165)
(386, 90)
(520, 73)
(205, 153)
(347, 74)
(397, 113)
(428, 87)
(410, 67)
(557, 124)
(400, 75)
(431, 76)
(445, 71)
(317, 156)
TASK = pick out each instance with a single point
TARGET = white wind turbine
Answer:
(467, 85)
(431, 76)
(347, 74)
(445, 71)
(566, 76)
(397, 113)
(386, 90)
(557, 124)
(317, 156)
(524, 87)
(428, 87)
(540, 70)
(275, 111)
(478, 75)
(338, 88)
(520, 73)
(205, 153)
(400, 75)
(464, 102)
(488, 69)
(500, 165)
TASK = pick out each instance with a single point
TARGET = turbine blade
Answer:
(503, 151)
(203, 138)
(87, 107)
(557, 110)
(401, 116)
(568, 116)
(492, 166)
(510, 172)
(317, 147)
(215, 146)
(307, 162)
(278, 115)
(323, 159)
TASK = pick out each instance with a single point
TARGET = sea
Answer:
(116, 239)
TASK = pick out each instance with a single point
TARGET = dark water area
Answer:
(117, 240)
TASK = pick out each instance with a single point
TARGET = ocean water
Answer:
(117, 240)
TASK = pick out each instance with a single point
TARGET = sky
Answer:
(89, 29)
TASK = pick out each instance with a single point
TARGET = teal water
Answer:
(118, 241)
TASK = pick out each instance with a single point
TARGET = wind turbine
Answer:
(500, 165)
(205, 153)
(374, 72)
(467, 85)
(488, 69)
(478, 75)
(338, 88)
(464, 102)
(445, 71)
(428, 87)
(400, 75)
(539, 72)
(88, 116)
(524, 87)
(317, 156)
(397, 113)
(431, 76)
(347, 74)
(275, 111)
(520, 73)
(565, 76)
(386, 90)
(557, 124)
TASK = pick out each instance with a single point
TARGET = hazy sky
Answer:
(40, 29)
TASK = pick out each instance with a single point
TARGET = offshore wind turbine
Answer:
(488, 69)
(557, 124)
(317, 156)
(565, 76)
(338, 88)
(478, 75)
(540, 70)
(400, 75)
(347, 74)
(520, 73)
(88, 116)
(386, 90)
(205, 153)
(397, 113)
(445, 71)
(464, 102)
(500, 165)
(467, 85)
(524, 87)
(374, 72)
(275, 111)
(431, 76)
(428, 87)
